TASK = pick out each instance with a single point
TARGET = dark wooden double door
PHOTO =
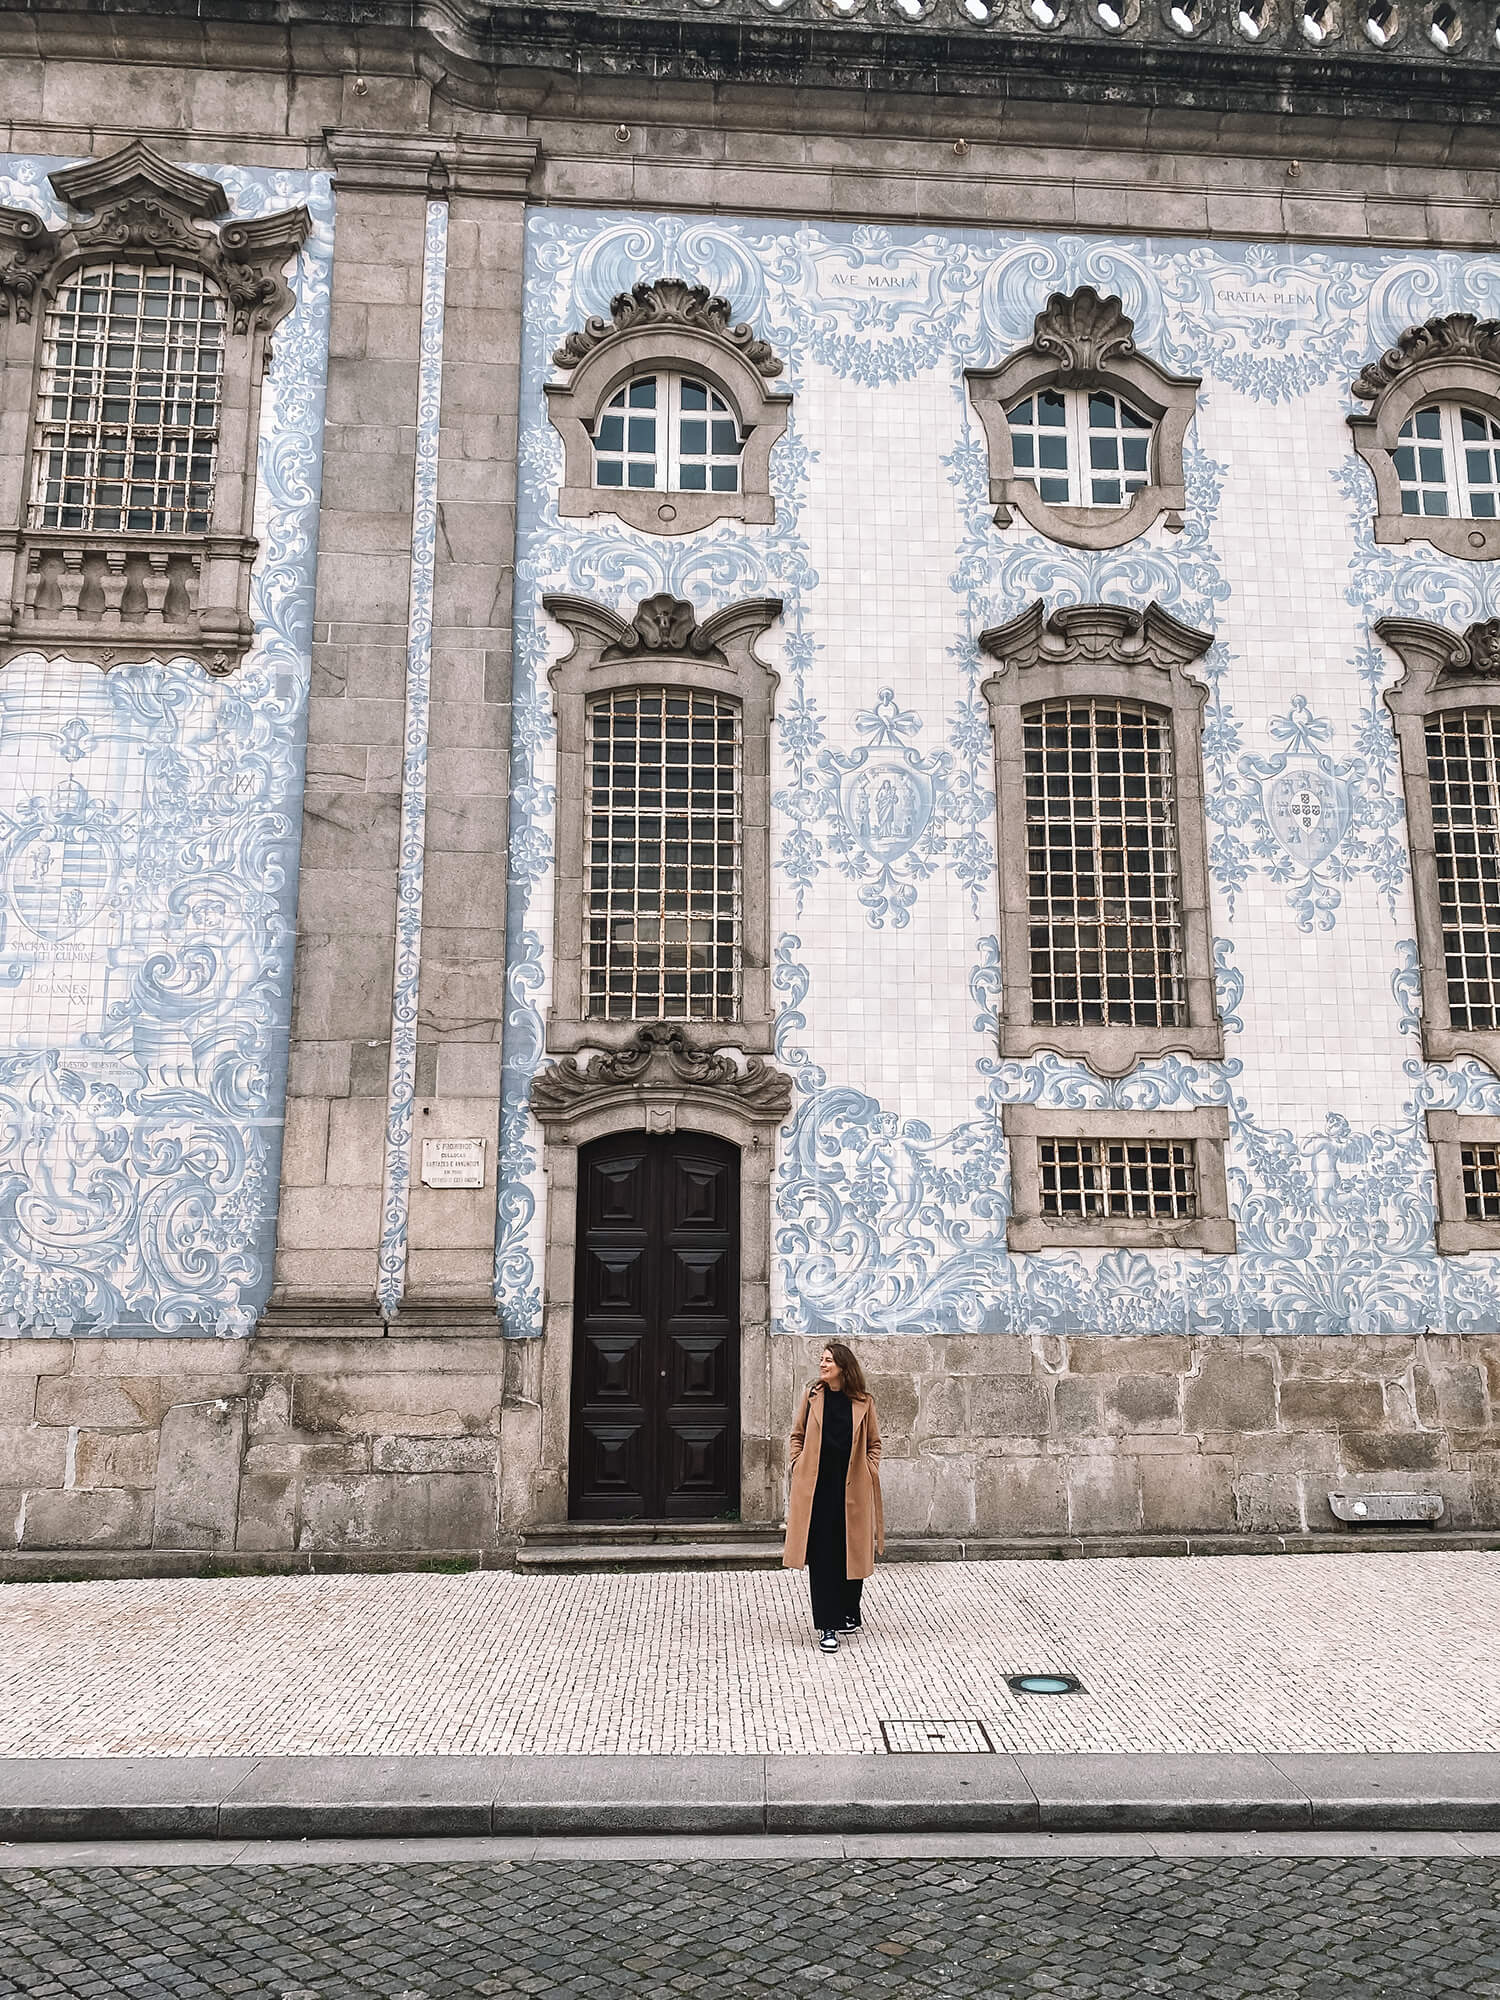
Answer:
(656, 1333)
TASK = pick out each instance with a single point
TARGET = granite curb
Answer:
(291, 1798)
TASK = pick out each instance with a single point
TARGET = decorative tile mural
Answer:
(891, 1194)
(149, 827)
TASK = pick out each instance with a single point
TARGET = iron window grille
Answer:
(128, 411)
(1481, 1171)
(1463, 771)
(1119, 1179)
(668, 433)
(1106, 921)
(664, 885)
(1448, 463)
(1081, 448)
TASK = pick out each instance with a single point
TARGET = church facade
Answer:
(677, 682)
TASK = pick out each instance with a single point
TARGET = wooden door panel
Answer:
(614, 1465)
(697, 1369)
(615, 1283)
(614, 1370)
(698, 1283)
(655, 1430)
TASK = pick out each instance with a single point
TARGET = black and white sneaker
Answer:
(829, 1642)
(851, 1625)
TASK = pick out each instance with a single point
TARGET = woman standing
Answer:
(834, 1522)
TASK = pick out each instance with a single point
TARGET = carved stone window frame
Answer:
(1082, 341)
(1114, 653)
(1444, 671)
(1212, 1229)
(660, 1082)
(1454, 358)
(117, 596)
(662, 646)
(1448, 1132)
(667, 324)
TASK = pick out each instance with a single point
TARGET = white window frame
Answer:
(1455, 448)
(668, 458)
(1078, 431)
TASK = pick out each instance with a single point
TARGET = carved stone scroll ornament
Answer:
(28, 248)
(1086, 635)
(1454, 337)
(1083, 332)
(1440, 658)
(116, 595)
(663, 625)
(659, 306)
(1080, 341)
(660, 1061)
(1451, 359)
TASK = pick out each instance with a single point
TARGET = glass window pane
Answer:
(643, 393)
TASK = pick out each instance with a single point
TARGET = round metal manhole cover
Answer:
(1044, 1684)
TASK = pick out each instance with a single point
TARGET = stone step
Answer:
(583, 1546)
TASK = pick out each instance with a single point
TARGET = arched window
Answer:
(661, 897)
(1431, 436)
(1105, 944)
(664, 856)
(128, 404)
(1447, 461)
(1081, 448)
(668, 433)
(668, 416)
(137, 336)
(1085, 434)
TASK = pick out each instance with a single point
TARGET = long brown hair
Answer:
(853, 1374)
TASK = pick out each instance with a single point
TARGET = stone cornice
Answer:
(432, 164)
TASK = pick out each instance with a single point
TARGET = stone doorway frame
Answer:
(658, 1083)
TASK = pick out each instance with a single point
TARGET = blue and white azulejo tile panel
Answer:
(149, 827)
(892, 1193)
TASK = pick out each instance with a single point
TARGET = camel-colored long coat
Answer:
(864, 1517)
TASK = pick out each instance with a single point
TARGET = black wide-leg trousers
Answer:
(835, 1594)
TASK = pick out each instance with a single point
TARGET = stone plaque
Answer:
(453, 1163)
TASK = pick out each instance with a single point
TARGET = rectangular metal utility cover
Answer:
(1359, 1507)
(931, 1735)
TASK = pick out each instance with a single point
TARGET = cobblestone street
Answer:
(1327, 1928)
(1290, 1653)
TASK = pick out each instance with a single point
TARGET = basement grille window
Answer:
(127, 420)
(1481, 1171)
(1104, 885)
(664, 857)
(1463, 768)
(1134, 1180)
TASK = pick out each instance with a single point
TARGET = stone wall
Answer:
(1109, 1438)
(337, 1450)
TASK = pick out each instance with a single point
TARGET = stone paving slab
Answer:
(395, 1797)
(1233, 1654)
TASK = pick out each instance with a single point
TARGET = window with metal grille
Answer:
(128, 415)
(668, 433)
(1481, 1172)
(1081, 449)
(664, 857)
(1135, 1180)
(1463, 769)
(1448, 463)
(1104, 893)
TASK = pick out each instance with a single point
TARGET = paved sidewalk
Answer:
(1250, 1654)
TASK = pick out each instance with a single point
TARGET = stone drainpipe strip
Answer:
(401, 1090)
(341, 1798)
